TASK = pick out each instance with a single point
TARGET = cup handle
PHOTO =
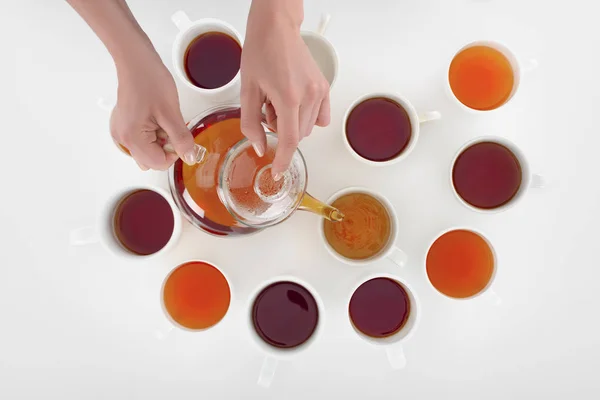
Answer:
(83, 236)
(181, 20)
(396, 357)
(323, 24)
(531, 65)
(429, 116)
(538, 181)
(398, 257)
(267, 372)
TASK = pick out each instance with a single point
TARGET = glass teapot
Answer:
(230, 190)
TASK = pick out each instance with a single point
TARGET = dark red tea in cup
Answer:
(212, 60)
(487, 175)
(380, 307)
(378, 129)
(143, 222)
(285, 314)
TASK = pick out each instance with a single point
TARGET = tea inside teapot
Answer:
(232, 191)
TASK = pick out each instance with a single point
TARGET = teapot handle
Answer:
(315, 206)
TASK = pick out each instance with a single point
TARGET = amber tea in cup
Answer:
(196, 295)
(460, 263)
(285, 314)
(366, 229)
(143, 222)
(212, 60)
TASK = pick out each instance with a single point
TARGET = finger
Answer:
(142, 166)
(309, 120)
(271, 117)
(179, 136)
(171, 158)
(288, 137)
(324, 116)
(312, 99)
(251, 103)
(162, 137)
(146, 151)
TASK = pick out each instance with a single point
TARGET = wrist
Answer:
(286, 14)
(134, 54)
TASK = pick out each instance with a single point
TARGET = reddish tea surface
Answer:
(143, 222)
(212, 60)
(379, 307)
(481, 77)
(285, 314)
(378, 129)
(460, 264)
(196, 295)
(487, 175)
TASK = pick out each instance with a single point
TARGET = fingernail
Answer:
(258, 148)
(190, 157)
(277, 177)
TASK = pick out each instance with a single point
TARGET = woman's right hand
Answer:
(147, 105)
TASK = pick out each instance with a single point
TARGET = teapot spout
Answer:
(315, 206)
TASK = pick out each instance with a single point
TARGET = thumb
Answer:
(251, 104)
(180, 137)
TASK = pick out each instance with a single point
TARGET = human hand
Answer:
(278, 70)
(147, 114)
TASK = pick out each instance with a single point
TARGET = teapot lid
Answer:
(248, 190)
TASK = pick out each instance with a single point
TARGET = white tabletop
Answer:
(78, 323)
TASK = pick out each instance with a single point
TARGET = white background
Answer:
(77, 323)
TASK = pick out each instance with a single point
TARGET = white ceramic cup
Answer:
(487, 288)
(103, 230)
(416, 120)
(519, 70)
(322, 50)
(392, 344)
(528, 179)
(391, 252)
(190, 30)
(274, 354)
(161, 334)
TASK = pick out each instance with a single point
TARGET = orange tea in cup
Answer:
(481, 77)
(460, 264)
(196, 295)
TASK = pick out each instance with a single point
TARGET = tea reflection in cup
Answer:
(377, 242)
(118, 223)
(384, 311)
(285, 317)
